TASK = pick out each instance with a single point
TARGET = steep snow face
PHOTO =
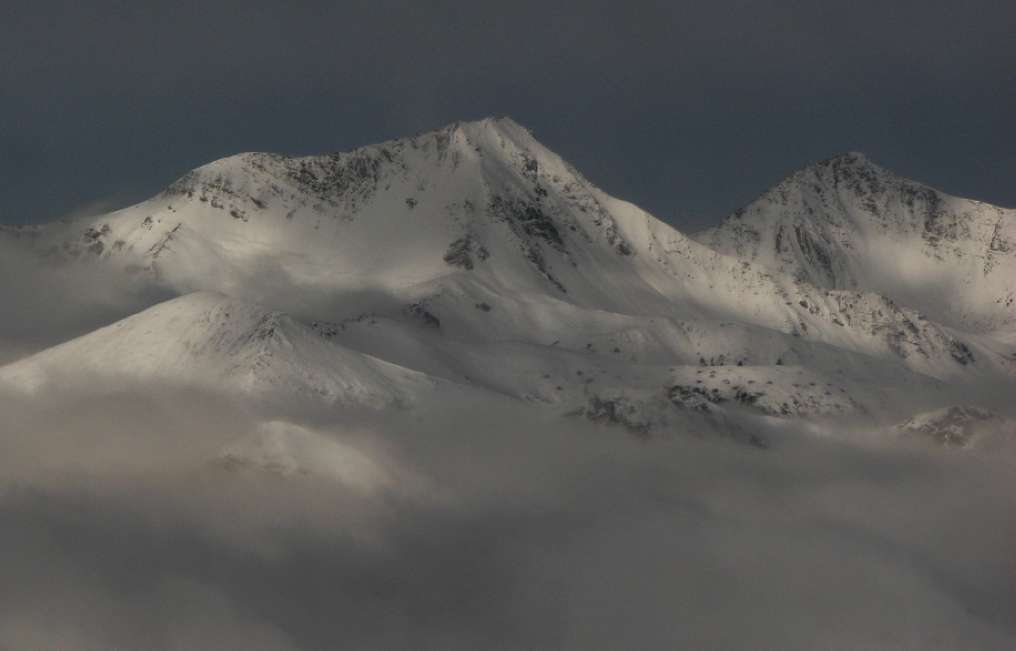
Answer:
(846, 223)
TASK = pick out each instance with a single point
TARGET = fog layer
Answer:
(123, 526)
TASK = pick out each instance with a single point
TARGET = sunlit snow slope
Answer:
(475, 257)
(846, 223)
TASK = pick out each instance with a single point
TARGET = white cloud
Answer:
(548, 533)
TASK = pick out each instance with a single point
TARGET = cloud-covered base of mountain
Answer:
(124, 524)
(389, 464)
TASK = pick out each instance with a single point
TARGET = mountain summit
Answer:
(385, 215)
(472, 256)
(846, 223)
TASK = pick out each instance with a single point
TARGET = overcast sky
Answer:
(689, 109)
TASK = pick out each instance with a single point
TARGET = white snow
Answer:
(444, 391)
(473, 258)
(846, 223)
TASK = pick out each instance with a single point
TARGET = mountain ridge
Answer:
(474, 255)
(846, 223)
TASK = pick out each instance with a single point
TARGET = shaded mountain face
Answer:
(473, 258)
(846, 223)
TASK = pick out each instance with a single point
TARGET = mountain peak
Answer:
(482, 197)
(502, 124)
(852, 157)
(846, 223)
(852, 172)
(333, 174)
(495, 122)
(475, 255)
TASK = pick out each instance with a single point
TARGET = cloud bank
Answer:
(502, 528)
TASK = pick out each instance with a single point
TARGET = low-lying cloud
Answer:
(519, 529)
(48, 302)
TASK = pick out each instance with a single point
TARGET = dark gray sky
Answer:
(689, 109)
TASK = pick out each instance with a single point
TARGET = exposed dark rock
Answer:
(462, 251)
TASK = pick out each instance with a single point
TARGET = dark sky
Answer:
(689, 109)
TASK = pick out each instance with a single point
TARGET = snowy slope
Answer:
(478, 210)
(220, 343)
(475, 257)
(846, 223)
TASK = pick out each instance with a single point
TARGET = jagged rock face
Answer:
(846, 223)
(475, 257)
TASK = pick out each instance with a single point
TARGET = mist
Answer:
(47, 302)
(487, 526)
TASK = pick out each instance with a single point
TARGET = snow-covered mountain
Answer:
(473, 257)
(846, 223)
(223, 344)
